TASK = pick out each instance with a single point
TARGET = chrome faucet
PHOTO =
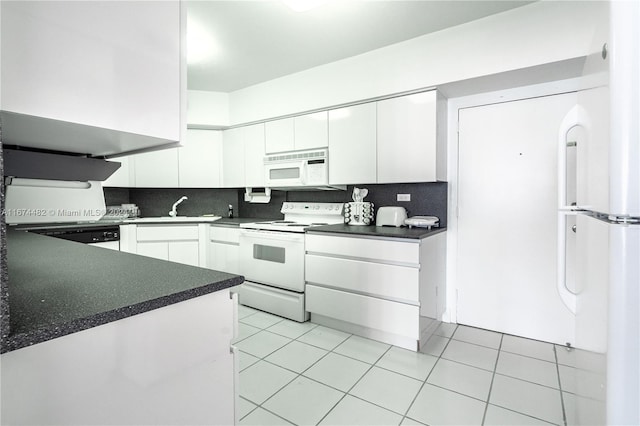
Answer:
(174, 211)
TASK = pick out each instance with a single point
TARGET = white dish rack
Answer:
(422, 222)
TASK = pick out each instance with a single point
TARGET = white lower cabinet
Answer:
(390, 290)
(172, 365)
(175, 243)
(223, 246)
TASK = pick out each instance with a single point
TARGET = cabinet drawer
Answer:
(223, 257)
(224, 234)
(376, 279)
(167, 233)
(391, 317)
(365, 248)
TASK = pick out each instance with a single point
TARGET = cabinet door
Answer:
(184, 252)
(407, 138)
(233, 159)
(113, 65)
(279, 135)
(253, 137)
(311, 131)
(155, 249)
(352, 145)
(124, 177)
(200, 159)
(224, 257)
(156, 169)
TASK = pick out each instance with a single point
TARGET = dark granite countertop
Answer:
(236, 221)
(233, 222)
(377, 231)
(58, 287)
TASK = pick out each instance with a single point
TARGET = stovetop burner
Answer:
(298, 216)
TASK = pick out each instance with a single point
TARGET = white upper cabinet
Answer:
(307, 131)
(311, 131)
(114, 66)
(243, 156)
(279, 135)
(352, 145)
(207, 110)
(233, 168)
(156, 169)
(253, 137)
(199, 160)
(411, 145)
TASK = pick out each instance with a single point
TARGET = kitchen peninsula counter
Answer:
(58, 287)
(377, 231)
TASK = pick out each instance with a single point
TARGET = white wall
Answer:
(207, 109)
(540, 33)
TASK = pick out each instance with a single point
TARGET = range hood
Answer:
(22, 163)
(42, 133)
(52, 201)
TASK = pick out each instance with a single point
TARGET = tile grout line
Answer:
(424, 382)
(265, 360)
(370, 367)
(564, 411)
(298, 375)
(357, 381)
(493, 376)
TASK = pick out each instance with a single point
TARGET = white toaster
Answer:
(391, 216)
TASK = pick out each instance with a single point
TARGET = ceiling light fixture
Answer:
(304, 5)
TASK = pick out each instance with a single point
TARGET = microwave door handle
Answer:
(303, 173)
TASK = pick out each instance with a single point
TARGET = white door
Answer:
(507, 219)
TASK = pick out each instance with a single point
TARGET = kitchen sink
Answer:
(176, 219)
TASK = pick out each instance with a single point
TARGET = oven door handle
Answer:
(260, 235)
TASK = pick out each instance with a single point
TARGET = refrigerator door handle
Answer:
(569, 122)
(567, 296)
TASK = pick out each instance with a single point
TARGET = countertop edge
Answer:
(43, 334)
(359, 232)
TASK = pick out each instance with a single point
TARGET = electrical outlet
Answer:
(403, 197)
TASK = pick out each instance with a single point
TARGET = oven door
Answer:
(273, 258)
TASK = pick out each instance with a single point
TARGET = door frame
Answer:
(454, 105)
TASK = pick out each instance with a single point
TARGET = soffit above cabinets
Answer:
(244, 43)
(47, 134)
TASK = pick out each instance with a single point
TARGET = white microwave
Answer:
(298, 170)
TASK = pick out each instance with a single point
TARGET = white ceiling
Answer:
(256, 41)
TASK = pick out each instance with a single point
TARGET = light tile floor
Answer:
(306, 374)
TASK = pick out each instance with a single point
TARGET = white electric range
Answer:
(272, 258)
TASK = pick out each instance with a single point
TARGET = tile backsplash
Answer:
(158, 201)
(428, 198)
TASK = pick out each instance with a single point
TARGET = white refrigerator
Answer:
(599, 198)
